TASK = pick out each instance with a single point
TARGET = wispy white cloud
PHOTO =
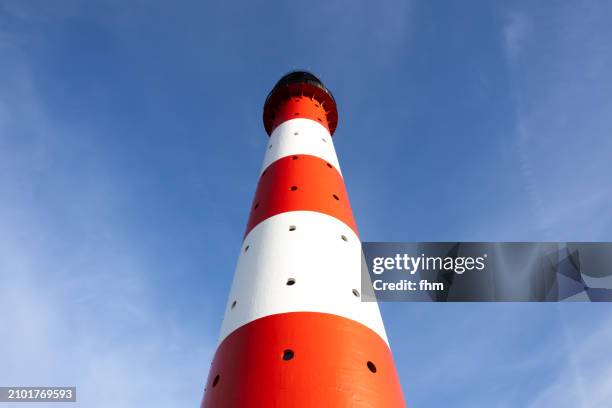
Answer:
(561, 93)
(516, 31)
(586, 380)
(78, 306)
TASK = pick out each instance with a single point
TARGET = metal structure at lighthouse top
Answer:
(296, 332)
(300, 83)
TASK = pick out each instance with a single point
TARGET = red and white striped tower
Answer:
(295, 332)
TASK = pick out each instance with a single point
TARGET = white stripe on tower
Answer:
(300, 136)
(298, 261)
(295, 332)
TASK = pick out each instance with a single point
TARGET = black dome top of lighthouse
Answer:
(299, 77)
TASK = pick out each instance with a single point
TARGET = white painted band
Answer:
(300, 136)
(309, 248)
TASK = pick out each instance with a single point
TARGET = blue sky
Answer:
(130, 143)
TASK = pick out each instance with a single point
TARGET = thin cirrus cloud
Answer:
(78, 304)
(586, 379)
(557, 63)
(515, 32)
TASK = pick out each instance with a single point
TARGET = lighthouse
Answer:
(296, 332)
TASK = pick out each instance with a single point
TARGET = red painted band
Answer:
(303, 359)
(300, 107)
(300, 100)
(300, 183)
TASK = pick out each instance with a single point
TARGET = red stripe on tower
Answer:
(300, 183)
(295, 332)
